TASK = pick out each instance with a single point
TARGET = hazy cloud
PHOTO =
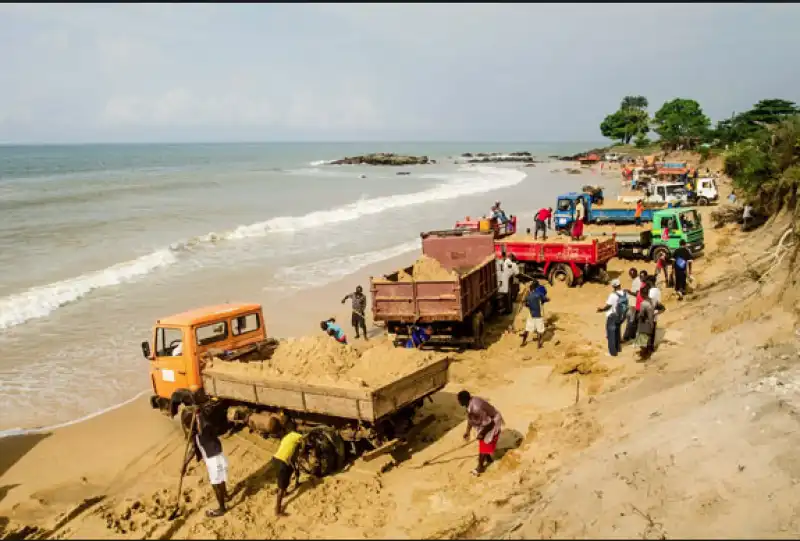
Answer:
(206, 72)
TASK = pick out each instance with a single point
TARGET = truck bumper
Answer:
(696, 248)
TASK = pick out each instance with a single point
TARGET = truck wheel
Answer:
(658, 251)
(562, 274)
(702, 201)
(478, 331)
(603, 277)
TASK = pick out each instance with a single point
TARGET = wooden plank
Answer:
(343, 392)
(385, 448)
(332, 405)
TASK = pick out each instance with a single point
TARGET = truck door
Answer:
(169, 365)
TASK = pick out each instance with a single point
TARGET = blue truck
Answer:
(565, 212)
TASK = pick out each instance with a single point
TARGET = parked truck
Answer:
(565, 212)
(456, 307)
(668, 228)
(190, 350)
(560, 260)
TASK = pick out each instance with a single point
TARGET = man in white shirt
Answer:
(612, 324)
(177, 351)
(503, 280)
(512, 269)
(655, 298)
(747, 214)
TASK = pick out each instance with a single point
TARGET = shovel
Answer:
(184, 467)
(430, 460)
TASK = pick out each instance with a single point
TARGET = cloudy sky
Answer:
(481, 72)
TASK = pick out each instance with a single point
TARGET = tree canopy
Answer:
(629, 121)
(681, 122)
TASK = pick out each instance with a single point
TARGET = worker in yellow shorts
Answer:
(286, 461)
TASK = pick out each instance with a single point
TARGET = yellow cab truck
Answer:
(363, 419)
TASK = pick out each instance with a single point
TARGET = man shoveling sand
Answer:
(487, 421)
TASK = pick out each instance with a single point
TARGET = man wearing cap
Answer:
(612, 324)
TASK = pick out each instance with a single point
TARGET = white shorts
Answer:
(535, 324)
(217, 469)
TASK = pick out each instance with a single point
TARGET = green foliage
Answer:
(767, 166)
(681, 122)
(747, 125)
(705, 152)
(629, 121)
(641, 141)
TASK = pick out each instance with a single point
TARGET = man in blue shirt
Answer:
(535, 322)
(330, 327)
(418, 335)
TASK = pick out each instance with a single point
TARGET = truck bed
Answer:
(397, 297)
(366, 405)
(558, 249)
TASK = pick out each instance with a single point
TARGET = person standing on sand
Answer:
(681, 268)
(285, 460)
(487, 422)
(646, 324)
(655, 299)
(208, 448)
(503, 287)
(662, 267)
(636, 286)
(358, 318)
(543, 218)
(535, 322)
(616, 301)
(512, 268)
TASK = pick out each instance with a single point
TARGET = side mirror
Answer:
(146, 349)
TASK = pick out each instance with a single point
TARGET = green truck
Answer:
(668, 228)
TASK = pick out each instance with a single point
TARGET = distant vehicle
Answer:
(613, 157)
(667, 192)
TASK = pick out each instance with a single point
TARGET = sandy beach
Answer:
(699, 441)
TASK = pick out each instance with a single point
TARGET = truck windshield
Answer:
(564, 205)
(690, 220)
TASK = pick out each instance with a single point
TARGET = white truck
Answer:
(675, 192)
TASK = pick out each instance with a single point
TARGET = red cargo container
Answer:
(457, 308)
(565, 261)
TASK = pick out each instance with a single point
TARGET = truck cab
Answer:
(564, 213)
(680, 224)
(707, 191)
(180, 341)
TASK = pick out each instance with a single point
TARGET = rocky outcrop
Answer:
(576, 157)
(382, 158)
(499, 157)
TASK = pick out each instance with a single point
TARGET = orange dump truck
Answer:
(455, 302)
(221, 349)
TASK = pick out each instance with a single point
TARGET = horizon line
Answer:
(289, 142)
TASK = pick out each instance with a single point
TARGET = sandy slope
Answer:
(699, 441)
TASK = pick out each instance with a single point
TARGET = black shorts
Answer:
(358, 320)
(284, 473)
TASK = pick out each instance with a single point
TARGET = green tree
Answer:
(747, 125)
(681, 122)
(767, 166)
(771, 112)
(641, 141)
(629, 121)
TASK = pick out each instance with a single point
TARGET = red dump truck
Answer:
(456, 307)
(559, 259)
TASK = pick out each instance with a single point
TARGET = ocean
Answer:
(97, 241)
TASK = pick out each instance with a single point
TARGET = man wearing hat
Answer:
(616, 303)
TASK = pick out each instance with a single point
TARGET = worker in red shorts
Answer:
(488, 423)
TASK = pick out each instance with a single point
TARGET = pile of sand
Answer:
(323, 361)
(552, 238)
(426, 268)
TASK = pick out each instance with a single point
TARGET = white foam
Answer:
(39, 430)
(486, 180)
(319, 162)
(40, 301)
(329, 270)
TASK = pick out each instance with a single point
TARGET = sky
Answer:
(76, 73)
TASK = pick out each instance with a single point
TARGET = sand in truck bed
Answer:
(427, 269)
(320, 360)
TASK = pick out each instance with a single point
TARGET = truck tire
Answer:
(478, 330)
(702, 201)
(657, 251)
(562, 274)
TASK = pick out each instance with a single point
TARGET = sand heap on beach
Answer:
(323, 361)
(426, 268)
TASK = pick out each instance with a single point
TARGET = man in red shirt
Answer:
(544, 219)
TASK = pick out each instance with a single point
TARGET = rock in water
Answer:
(382, 158)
